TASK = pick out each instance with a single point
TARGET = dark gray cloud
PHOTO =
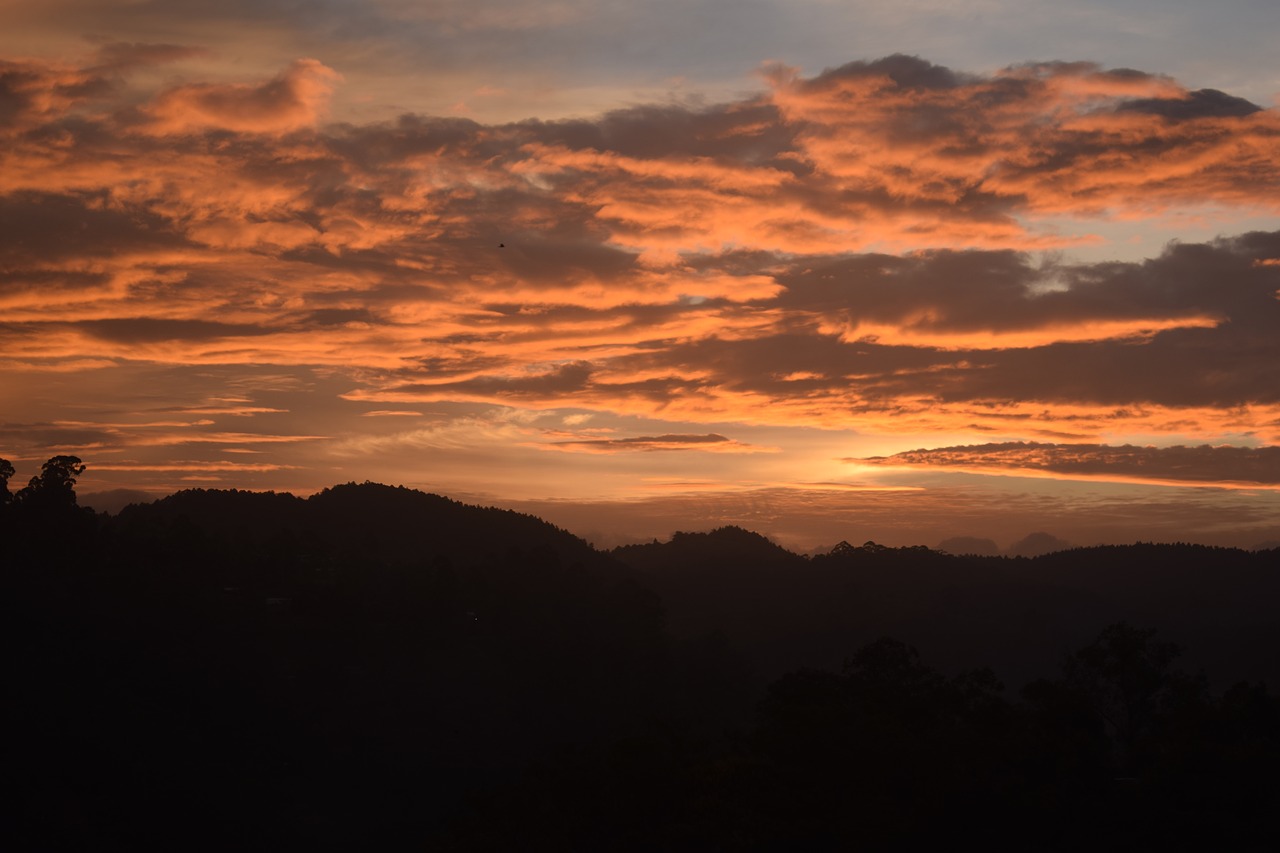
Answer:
(751, 131)
(42, 227)
(40, 439)
(338, 317)
(712, 441)
(997, 291)
(148, 330)
(566, 380)
(541, 258)
(1203, 464)
(41, 285)
(1202, 103)
(899, 71)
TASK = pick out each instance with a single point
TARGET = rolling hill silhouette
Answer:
(373, 665)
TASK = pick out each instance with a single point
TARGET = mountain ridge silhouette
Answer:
(373, 663)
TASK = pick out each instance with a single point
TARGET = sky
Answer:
(894, 271)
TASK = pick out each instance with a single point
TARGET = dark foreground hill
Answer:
(369, 520)
(296, 662)
(1014, 614)
(377, 668)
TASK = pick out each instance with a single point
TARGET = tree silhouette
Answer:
(1125, 675)
(51, 529)
(54, 487)
(6, 471)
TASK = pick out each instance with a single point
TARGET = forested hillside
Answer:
(374, 667)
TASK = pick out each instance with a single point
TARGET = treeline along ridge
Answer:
(382, 668)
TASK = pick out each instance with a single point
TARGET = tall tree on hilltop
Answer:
(6, 471)
(55, 485)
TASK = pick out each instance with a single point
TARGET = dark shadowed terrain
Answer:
(374, 667)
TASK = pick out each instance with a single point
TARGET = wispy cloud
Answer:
(1199, 466)
(712, 442)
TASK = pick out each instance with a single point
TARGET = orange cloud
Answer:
(295, 99)
(847, 251)
(1044, 138)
